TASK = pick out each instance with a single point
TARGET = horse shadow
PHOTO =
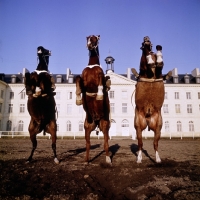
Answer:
(134, 150)
(75, 152)
(113, 149)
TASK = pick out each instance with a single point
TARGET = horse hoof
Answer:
(108, 160)
(139, 161)
(158, 160)
(56, 160)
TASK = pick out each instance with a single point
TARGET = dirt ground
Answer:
(177, 177)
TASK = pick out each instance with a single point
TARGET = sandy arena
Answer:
(177, 177)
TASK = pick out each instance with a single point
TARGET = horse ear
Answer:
(98, 37)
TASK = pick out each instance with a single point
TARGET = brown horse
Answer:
(149, 97)
(41, 106)
(93, 86)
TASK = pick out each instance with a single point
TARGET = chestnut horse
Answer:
(91, 91)
(41, 105)
(149, 97)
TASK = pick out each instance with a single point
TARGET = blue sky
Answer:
(62, 26)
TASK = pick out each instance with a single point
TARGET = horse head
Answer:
(43, 55)
(92, 42)
(146, 46)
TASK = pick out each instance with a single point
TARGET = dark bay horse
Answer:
(91, 91)
(41, 105)
(149, 97)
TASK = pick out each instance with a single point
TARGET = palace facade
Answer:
(180, 111)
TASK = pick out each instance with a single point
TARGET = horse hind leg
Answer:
(157, 134)
(89, 127)
(52, 130)
(104, 126)
(34, 146)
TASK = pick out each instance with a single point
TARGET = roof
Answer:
(19, 78)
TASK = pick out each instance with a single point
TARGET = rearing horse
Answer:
(41, 107)
(149, 97)
(93, 86)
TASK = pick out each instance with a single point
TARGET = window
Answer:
(80, 126)
(166, 126)
(197, 79)
(179, 126)
(69, 126)
(1, 107)
(198, 95)
(21, 125)
(188, 95)
(22, 108)
(189, 108)
(58, 127)
(69, 95)
(59, 78)
(111, 94)
(191, 126)
(80, 109)
(11, 95)
(58, 107)
(112, 107)
(124, 107)
(177, 108)
(125, 123)
(165, 95)
(57, 95)
(23, 94)
(124, 94)
(165, 108)
(69, 109)
(175, 79)
(10, 108)
(176, 95)
(2, 92)
(8, 125)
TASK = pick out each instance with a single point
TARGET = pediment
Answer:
(117, 79)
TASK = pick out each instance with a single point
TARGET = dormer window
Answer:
(13, 79)
(175, 79)
(59, 79)
(197, 79)
(187, 80)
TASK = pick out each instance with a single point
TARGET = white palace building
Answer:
(180, 111)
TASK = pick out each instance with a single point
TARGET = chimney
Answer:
(129, 73)
(175, 75)
(68, 73)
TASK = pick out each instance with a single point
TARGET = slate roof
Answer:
(19, 78)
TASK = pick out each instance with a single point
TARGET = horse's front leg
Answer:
(104, 127)
(140, 124)
(78, 91)
(52, 128)
(88, 129)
